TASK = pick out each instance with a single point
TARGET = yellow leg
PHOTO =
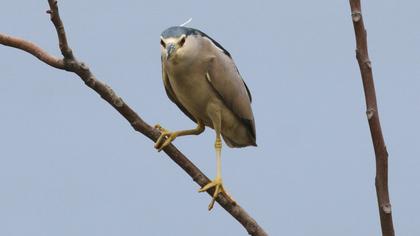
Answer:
(166, 137)
(217, 183)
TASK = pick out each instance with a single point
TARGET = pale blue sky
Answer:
(70, 165)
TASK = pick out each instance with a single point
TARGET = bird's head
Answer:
(176, 42)
(172, 46)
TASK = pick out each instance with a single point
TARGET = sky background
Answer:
(71, 165)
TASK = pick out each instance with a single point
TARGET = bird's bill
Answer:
(170, 50)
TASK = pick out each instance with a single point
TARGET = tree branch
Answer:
(61, 33)
(71, 64)
(33, 49)
(381, 154)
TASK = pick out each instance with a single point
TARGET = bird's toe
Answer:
(171, 137)
(217, 184)
(161, 141)
(160, 128)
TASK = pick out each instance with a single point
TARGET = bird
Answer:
(201, 78)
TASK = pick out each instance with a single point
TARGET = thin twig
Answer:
(381, 154)
(61, 33)
(33, 49)
(71, 64)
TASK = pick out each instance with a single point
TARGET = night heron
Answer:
(201, 78)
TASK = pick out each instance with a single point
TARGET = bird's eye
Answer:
(182, 41)
(162, 43)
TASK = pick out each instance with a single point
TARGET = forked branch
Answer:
(70, 63)
(381, 154)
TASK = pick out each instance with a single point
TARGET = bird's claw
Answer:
(165, 138)
(160, 128)
(219, 188)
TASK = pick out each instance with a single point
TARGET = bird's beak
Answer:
(169, 50)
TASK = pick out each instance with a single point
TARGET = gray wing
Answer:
(226, 80)
(172, 95)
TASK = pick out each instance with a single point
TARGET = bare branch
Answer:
(381, 154)
(71, 64)
(61, 33)
(32, 49)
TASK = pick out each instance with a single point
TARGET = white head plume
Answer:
(186, 22)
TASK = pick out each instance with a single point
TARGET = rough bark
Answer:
(69, 63)
(381, 154)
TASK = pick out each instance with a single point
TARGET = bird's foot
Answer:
(165, 138)
(219, 188)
